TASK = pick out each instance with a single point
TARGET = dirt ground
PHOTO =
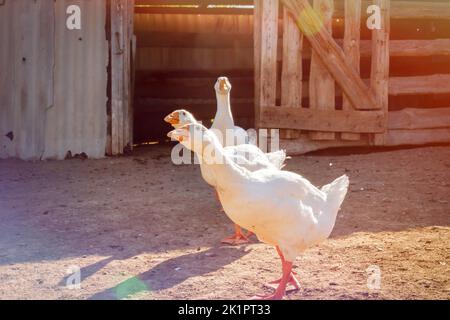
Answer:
(139, 227)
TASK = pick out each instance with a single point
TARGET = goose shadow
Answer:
(172, 272)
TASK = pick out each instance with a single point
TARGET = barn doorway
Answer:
(181, 50)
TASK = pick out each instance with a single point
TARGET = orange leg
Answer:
(293, 283)
(281, 289)
(237, 238)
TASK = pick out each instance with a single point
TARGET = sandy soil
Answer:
(141, 228)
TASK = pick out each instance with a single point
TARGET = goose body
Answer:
(223, 124)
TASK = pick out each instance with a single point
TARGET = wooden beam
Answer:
(379, 80)
(420, 10)
(117, 78)
(268, 54)
(352, 36)
(414, 118)
(322, 120)
(398, 48)
(332, 55)
(411, 48)
(257, 34)
(292, 73)
(434, 84)
(321, 83)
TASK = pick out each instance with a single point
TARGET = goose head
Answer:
(193, 136)
(223, 86)
(180, 118)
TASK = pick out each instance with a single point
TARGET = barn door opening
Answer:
(120, 26)
(182, 48)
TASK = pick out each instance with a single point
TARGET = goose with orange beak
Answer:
(227, 132)
(246, 155)
(282, 208)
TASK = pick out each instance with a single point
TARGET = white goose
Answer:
(223, 125)
(246, 155)
(282, 208)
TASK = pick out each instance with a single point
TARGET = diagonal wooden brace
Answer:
(309, 22)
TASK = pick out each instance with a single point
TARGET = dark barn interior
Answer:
(181, 51)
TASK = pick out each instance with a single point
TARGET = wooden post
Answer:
(268, 62)
(292, 73)
(128, 107)
(379, 80)
(321, 83)
(117, 79)
(257, 29)
(352, 50)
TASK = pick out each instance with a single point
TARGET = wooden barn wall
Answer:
(53, 80)
(178, 60)
(198, 55)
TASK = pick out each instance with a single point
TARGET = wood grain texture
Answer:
(379, 81)
(321, 83)
(322, 120)
(268, 54)
(352, 36)
(415, 118)
(292, 69)
(332, 56)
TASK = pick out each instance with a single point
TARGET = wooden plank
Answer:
(292, 73)
(193, 23)
(128, 34)
(428, 10)
(257, 33)
(414, 118)
(268, 58)
(322, 120)
(117, 78)
(321, 83)
(352, 49)
(194, 59)
(417, 137)
(152, 39)
(433, 84)
(27, 59)
(133, 86)
(379, 81)
(412, 48)
(332, 55)
(398, 48)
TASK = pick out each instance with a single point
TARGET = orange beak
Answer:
(172, 118)
(223, 85)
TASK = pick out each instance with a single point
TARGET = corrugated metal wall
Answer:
(52, 80)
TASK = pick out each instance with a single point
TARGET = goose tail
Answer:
(336, 192)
